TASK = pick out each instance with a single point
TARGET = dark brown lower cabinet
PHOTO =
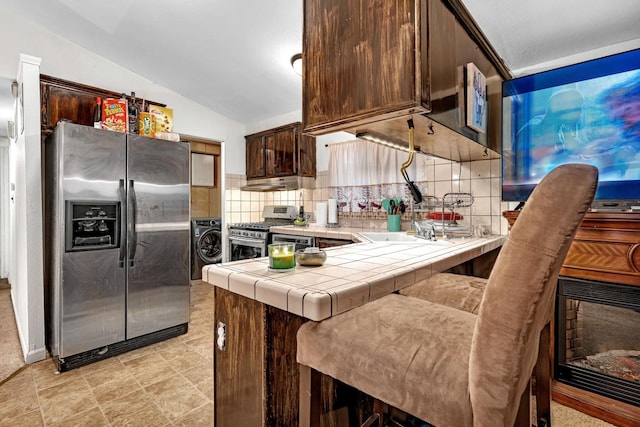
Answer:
(239, 367)
(256, 374)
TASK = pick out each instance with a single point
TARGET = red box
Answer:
(114, 115)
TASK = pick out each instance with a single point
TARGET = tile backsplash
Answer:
(480, 178)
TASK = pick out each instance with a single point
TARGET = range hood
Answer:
(280, 183)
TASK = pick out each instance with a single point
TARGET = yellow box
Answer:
(147, 124)
(164, 118)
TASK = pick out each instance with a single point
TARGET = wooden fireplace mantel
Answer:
(606, 248)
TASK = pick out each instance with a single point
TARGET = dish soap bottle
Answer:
(300, 220)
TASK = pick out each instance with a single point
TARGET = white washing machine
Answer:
(206, 244)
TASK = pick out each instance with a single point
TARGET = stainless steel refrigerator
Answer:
(117, 242)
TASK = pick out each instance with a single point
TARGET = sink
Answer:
(399, 237)
(389, 236)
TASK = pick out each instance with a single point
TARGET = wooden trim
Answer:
(68, 84)
(352, 123)
(293, 125)
(199, 140)
(595, 405)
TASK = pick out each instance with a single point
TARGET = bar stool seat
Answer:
(453, 290)
(386, 349)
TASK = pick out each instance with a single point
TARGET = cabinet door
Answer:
(239, 368)
(60, 102)
(255, 157)
(306, 154)
(352, 72)
(282, 372)
(280, 153)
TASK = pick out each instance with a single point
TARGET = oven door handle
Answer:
(249, 242)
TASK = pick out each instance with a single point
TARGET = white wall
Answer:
(579, 57)
(4, 207)
(284, 119)
(27, 294)
(63, 59)
(322, 154)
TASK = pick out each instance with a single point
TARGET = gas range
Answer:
(250, 239)
(272, 214)
(251, 230)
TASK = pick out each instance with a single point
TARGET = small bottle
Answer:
(97, 114)
(123, 97)
(133, 114)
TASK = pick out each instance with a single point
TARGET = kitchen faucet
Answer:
(425, 230)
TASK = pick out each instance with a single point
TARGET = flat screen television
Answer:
(583, 113)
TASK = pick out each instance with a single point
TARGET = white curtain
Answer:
(362, 173)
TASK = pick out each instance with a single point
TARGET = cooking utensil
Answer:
(392, 207)
(385, 204)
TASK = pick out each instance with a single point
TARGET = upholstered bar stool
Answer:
(446, 366)
(465, 293)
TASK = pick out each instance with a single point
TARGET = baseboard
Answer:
(30, 356)
(35, 355)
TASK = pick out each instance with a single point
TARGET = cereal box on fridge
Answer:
(114, 115)
(164, 118)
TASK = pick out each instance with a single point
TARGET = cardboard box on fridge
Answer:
(147, 124)
(164, 118)
(114, 115)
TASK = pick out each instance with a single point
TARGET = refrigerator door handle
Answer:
(123, 230)
(131, 223)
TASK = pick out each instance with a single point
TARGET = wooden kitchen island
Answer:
(258, 312)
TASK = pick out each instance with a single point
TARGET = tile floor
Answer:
(166, 384)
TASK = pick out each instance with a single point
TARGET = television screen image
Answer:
(584, 113)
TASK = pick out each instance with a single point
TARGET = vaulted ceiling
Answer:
(233, 56)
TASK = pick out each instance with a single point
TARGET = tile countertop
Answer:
(351, 276)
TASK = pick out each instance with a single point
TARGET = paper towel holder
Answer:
(329, 206)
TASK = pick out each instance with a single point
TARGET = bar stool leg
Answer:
(310, 397)
(523, 417)
(543, 378)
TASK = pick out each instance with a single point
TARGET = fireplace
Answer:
(597, 338)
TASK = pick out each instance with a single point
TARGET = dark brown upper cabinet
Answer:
(369, 66)
(281, 151)
(66, 100)
(255, 156)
